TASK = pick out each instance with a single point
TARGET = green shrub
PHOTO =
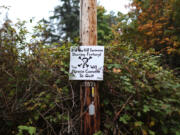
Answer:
(138, 95)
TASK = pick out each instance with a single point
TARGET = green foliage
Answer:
(67, 16)
(64, 24)
(35, 89)
(138, 95)
(30, 130)
(105, 21)
(98, 133)
(144, 97)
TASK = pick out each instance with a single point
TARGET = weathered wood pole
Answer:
(90, 124)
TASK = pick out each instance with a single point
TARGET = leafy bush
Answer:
(35, 90)
(138, 96)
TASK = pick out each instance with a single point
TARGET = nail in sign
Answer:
(86, 63)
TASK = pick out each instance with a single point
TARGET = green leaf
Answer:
(29, 129)
(151, 132)
(106, 101)
(177, 132)
(138, 123)
(146, 108)
(125, 118)
(32, 130)
(98, 133)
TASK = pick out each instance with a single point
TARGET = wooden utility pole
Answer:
(89, 94)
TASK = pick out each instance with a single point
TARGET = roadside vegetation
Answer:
(141, 88)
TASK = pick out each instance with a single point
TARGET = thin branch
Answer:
(124, 105)
(48, 123)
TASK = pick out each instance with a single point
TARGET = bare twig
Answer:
(72, 90)
(48, 123)
(9, 74)
(124, 105)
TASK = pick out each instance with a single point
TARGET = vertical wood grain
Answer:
(88, 36)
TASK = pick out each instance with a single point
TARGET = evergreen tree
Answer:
(64, 24)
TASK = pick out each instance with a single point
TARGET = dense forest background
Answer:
(141, 88)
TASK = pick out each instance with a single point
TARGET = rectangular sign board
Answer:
(86, 63)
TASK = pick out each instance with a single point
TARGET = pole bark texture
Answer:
(89, 89)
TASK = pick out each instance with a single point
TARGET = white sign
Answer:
(86, 63)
